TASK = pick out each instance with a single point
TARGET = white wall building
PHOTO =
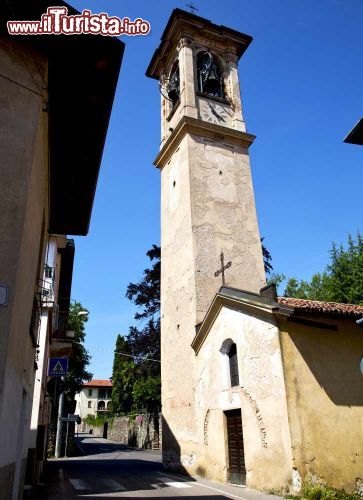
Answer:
(94, 398)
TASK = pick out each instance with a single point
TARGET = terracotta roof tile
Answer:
(315, 306)
(98, 383)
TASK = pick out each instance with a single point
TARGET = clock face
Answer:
(214, 113)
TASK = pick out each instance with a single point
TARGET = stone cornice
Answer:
(188, 125)
(184, 24)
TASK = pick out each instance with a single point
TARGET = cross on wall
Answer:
(223, 268)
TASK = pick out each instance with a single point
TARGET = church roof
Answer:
(309, 312)
(316, 306)
(98, 383)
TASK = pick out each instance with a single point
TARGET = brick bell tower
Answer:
(207, 204)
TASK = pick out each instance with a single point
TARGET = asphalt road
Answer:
(111, 470)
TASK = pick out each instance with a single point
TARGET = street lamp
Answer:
(82, 313)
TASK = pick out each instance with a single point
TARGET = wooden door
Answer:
(236, 455)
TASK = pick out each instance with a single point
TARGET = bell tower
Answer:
(207, 202)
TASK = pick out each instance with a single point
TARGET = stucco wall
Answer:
(24, 170)
(203, 212)
(261, 396)
(325, 400)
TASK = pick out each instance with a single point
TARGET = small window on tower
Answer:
(89, 404)
(210, 77)
(233, 365)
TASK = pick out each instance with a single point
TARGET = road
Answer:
(111, 470)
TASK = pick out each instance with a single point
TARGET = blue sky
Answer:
(301, 88)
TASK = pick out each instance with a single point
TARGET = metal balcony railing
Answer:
(46, 287)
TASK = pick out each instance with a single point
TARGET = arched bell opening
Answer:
(210, 75)
(173, 86)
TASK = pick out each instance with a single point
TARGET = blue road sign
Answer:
(58, 367)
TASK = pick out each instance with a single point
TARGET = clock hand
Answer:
(215, 113)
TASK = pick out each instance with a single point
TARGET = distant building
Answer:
(56, 99)
(94, 399)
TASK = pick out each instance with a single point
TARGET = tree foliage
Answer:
(138, 377)
(79, 359)
(341, 281)
(123, 377)
(267, 259)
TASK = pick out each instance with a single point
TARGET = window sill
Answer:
(213, 98)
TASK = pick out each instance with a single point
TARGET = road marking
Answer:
(195, 483)
(79, 484)
(175, 484)
(113, 485)
(157, 486)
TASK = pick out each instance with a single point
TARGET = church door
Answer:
(236, 454)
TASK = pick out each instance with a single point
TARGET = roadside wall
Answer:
(142, 432)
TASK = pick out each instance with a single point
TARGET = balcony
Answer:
(46, 287)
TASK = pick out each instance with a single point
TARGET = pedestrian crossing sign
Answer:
(58, 367)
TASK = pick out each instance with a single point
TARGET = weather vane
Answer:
(192, 7)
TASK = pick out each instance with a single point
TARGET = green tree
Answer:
(146, 393)
(80, 358)
(341, 281)
(267, 259)
(123, 377)
(136, 379)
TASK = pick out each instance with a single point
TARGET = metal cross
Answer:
(192, 7)
(223, 268)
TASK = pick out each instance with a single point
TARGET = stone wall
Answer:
(142, 432)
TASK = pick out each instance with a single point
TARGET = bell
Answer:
(173, 93)
(173, 87)
(212, 85)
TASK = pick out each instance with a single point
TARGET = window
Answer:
(229, 364)
(233, 365)
(89, 392)
(209, 75)
(102, 393)
(101, 406)
(89, 404)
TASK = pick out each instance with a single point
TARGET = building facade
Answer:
(50, 157)
(94, 398)
(208, 215)
(256, 390)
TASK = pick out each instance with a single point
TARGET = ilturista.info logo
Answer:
(56, 21)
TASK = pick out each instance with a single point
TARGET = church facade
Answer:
(236, 380)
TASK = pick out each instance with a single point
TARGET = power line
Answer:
(146, 358)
